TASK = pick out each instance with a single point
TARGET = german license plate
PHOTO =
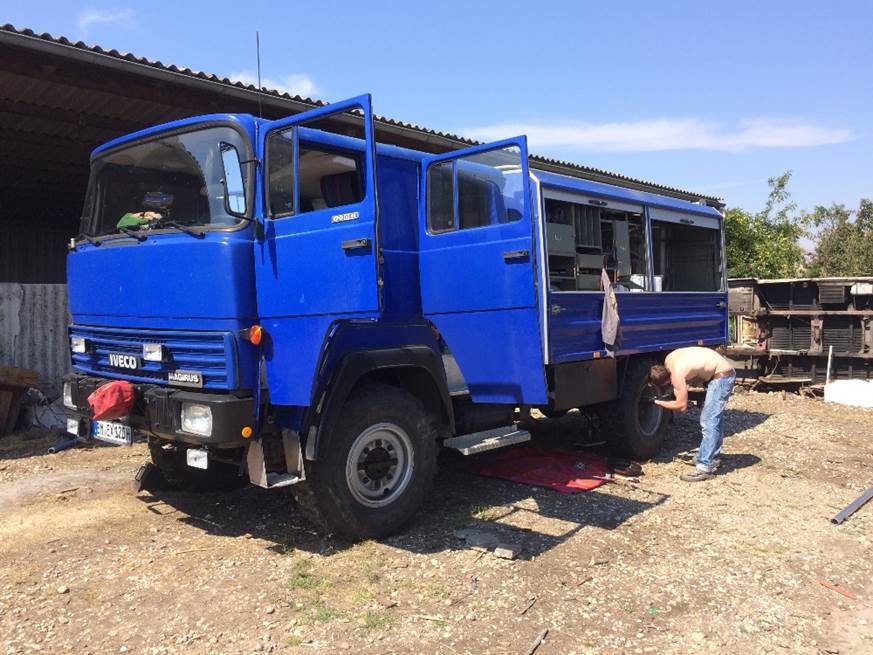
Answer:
(116, 433)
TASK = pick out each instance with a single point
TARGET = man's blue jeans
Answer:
(712, 420)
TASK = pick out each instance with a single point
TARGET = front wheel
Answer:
(378, 465)
(633, 425)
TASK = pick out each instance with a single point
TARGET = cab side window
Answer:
(325, 177)
(280, 176)
(328, 178)
(488, 187)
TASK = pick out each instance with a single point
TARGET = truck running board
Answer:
(293, 473)
(479, 442)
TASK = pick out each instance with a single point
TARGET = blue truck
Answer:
(298, 305)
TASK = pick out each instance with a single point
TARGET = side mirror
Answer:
(234, 188)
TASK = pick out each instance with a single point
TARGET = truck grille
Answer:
(211, 353)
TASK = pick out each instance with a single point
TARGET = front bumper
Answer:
(157, 412)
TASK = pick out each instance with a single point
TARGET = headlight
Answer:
(68, 396)
(153, 352)
(197, 419)
(78, 344)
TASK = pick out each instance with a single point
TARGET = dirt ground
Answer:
(745, 563)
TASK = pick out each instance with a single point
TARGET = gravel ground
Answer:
(745, 563)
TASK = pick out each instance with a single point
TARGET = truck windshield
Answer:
(192, 179)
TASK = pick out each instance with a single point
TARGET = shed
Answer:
(60, 99)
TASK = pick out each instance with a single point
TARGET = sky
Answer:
(713, 98)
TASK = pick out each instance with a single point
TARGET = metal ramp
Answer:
(479, 442)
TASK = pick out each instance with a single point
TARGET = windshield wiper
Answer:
(180, 227)
(89, 239)
(132, 233)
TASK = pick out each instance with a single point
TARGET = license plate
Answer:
(197, 458)
(116, 433)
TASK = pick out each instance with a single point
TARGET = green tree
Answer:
(844, 240)
(765, 244)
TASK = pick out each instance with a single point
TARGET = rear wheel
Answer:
(378, 465)
(633, 425)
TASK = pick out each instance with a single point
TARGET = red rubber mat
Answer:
(562, 470)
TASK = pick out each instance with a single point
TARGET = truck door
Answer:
(478, 264)
(317, 262)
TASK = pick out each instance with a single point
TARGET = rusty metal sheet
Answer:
(33, 331)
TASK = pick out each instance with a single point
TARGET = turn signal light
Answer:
(246, 432)
(254, 334)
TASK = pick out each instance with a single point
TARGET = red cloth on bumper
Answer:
(112, 400)
(562, 470)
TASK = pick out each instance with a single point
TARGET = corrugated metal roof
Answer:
(27, 37)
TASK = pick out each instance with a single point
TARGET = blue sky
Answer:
(713, 98)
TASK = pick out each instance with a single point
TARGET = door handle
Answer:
(354, 244)
(509, 255)
(556, 309)
(720, 305)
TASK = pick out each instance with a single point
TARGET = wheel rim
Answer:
(379, 465)
(649, 413)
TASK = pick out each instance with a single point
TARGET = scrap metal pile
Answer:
(782, 331)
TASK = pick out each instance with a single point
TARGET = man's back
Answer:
(697, 363)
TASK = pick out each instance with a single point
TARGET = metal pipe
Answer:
(62, 445)
(853, 507)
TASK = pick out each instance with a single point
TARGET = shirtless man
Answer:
(708, 367)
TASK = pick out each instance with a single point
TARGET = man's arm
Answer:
(680, 390)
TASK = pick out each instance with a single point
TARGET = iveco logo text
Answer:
(342, 218)
(123, 361)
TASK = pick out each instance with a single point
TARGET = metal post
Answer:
(830, 359)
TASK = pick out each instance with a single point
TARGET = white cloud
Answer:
(90, 17)
(668, 134)
(297, 84)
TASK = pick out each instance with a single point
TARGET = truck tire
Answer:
(378, 465)
(170, 459)
(632, 425)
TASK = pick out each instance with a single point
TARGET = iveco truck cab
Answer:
(291, 303)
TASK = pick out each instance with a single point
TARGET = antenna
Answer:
(258, 54)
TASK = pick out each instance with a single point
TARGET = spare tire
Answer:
(633, 426)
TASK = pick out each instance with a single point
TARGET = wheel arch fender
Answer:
(416, 368)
